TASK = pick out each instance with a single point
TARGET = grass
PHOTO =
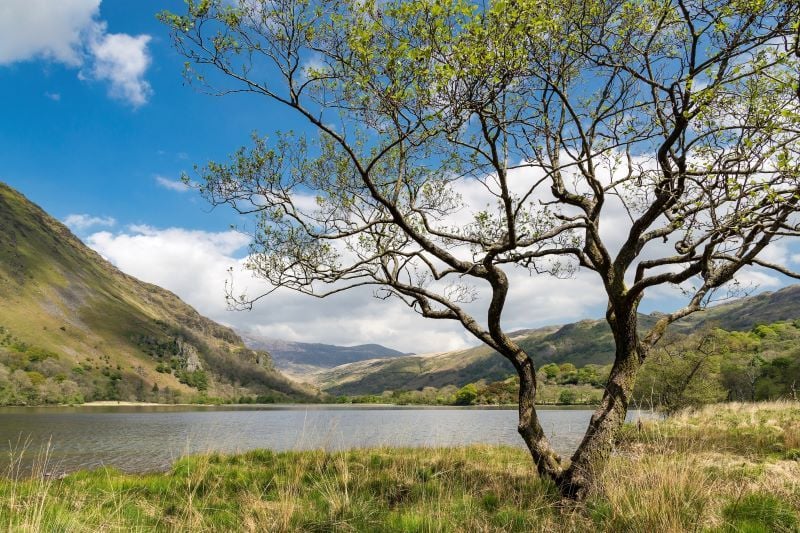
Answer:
(761, 430)
(665, 477)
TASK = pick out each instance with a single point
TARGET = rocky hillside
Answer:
(579, 343)
(74, 328)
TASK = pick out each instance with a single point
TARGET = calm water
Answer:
(137, 439)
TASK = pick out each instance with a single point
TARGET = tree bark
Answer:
(548, 463)
(574, 479)
(598, 442)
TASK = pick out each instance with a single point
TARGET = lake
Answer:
(139, 438)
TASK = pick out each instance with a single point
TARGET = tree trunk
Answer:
(548, 462)
(598, 442)
(575, 479)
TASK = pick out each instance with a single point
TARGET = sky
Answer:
(97, 126)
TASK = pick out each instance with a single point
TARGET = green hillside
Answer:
(708, 366)
(580, 343)
(74, 328)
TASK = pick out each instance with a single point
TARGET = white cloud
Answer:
(56, 97)
(314, 64)
(173, 185)
(82, 222)
(753, 279)
(195, 265)
(122, 61)
(45, 29)
(70, 32)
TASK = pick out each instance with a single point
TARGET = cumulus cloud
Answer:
(196, 264)
(193, 264)
(45, 29)
(752, 279)
(70, 32)
(172, 185)
(83, 222)
(122, 60)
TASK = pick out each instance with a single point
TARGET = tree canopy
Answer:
(651, 142)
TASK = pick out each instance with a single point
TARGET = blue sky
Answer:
(71, 147)
(97, 127)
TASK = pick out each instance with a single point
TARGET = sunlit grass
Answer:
(656, 482)
(767, 429)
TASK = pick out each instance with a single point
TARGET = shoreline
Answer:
(111, 403)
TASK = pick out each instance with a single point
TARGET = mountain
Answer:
(73, 328)
(580, 343)
(304, 360)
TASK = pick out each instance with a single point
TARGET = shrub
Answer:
(764, 331)
(196, 379)
(567, 397)
(550, 370)
(467, 395)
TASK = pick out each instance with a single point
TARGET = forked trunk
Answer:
(576, 478)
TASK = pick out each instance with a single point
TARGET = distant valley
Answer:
(303, 360)
(580, 343)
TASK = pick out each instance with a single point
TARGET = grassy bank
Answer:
(725, 468)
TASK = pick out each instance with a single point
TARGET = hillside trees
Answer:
(651, 143)
(683, 374)
(466, 395)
